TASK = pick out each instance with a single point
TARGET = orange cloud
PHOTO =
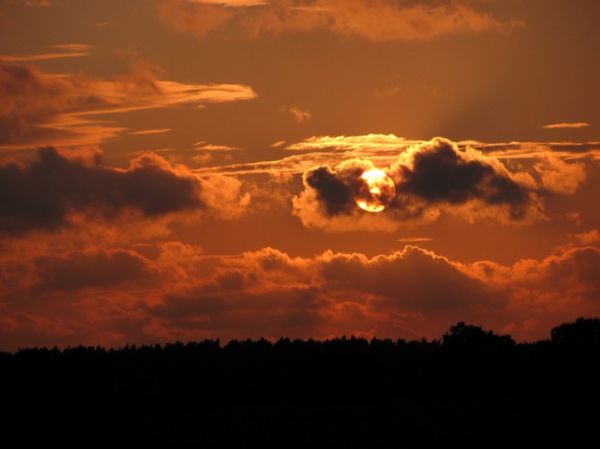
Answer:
(301, 115)
(69, 188)
(42, 109)
(431, 178)
(38, 3)
(559, 177)
(378, 20)
(191, 17)
(566, 125)
(118, 296)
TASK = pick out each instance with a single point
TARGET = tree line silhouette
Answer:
(467, 366)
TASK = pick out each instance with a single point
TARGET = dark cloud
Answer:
(414, 279)
(98, 269)
(335, 193)
(430, 178)
(441, 173)
(42, 194)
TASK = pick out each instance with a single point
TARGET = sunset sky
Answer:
(184, 169)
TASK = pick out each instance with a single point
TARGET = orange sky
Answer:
(183, 169)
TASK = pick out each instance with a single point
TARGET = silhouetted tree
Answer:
(468, 336)
(584, 331)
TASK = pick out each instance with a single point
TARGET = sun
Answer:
(374, 190)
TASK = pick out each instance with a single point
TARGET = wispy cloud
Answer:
(43, 56)
(566, 125)
(151, 131)
(232, 3)
(414, 239)
(73, 47)
(55, 109)
(301, 115)
(204, 146)
(382, 142)
(68, 51)
(534, 150)
(375, 20)
(383, 150)
(38, 3)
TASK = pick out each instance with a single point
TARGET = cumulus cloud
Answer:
(431, 178)
(96, 268)
(44, 109)
(591, 238)
(117, 296)
(267, 293)
(55, 190)
(343, 293)
(559, 177)
(379, 20)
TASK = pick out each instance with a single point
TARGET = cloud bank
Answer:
(268, 293)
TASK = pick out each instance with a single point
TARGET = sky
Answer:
(181, 170)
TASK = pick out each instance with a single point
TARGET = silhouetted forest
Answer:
(470, 382)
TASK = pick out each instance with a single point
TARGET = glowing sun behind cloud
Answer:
(374, 190)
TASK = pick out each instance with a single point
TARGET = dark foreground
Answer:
(340, 393)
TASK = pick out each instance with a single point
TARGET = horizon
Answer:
(190, 170)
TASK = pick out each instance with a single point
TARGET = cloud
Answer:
(42, 109)
(378, 20)
(534, 150)
(42, 57)
(566, 125)
(38, 3)
(320, 150)
(55, 190)
(414, 239)
(383, 151)
(198, 19)
(69, 51)
(152, 131)
(431, 178)
(382, 142)
(257, 293)
(203, 146)
(591, 238)
(300, 115)
(96, 268)
(559, 177)
(117, 296)
(232, 3)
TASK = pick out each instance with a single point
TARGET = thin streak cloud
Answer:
(414, 239)
(42, 57)
(566, 125)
